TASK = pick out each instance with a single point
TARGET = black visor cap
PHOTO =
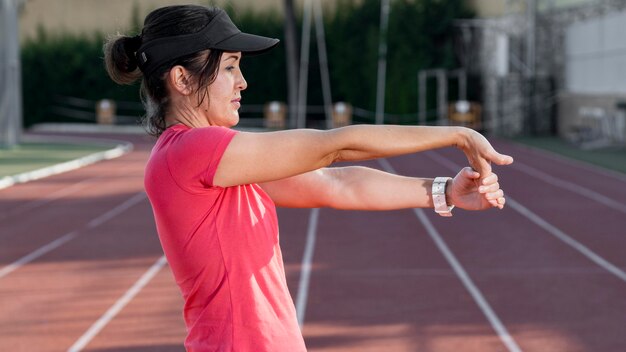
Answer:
(220, 33)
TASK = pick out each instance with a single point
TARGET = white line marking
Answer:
(305, 273)
(47, 199)
(570, 161)
(478, 297)
(118, 306)
(572, 187)
(71, 235)
(8, 181)
(591, 255)
(468, 283)
(37, 253)
(551, 229)
(116, 211)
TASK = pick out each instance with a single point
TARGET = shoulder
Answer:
(211, 134)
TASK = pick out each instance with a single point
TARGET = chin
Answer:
(235, 121)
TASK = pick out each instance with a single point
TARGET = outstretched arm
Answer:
(264, 157)
(361, 188)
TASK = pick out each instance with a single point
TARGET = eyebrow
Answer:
(232, 57)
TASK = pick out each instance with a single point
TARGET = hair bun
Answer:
(131, 45)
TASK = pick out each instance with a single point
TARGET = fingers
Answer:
(499, 202)
(480, 153)
(496, 199)
(493, 178)
(494, 187)
(500, 159)
(495, 195)
(490, 188)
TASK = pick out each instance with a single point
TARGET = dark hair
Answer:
(121, 63)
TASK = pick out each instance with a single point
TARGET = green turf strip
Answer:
(32, 156)
(611, 158)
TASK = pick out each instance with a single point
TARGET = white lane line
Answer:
(61, 193)
(551, 229)
(591, 255)
(47, 199)
(118, 306)
(117, 210)
(37, 253)
(305, 273)
(71, 235)
(8, 181)
(478, 297)
(572, 187)
(569, 161)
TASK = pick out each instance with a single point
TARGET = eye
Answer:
(230, 68)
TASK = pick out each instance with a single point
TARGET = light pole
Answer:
(382, 62)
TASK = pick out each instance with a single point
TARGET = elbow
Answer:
(333, 157)
(336, 145)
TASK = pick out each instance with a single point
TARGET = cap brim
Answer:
(249, 44)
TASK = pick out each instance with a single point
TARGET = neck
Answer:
(187, 115)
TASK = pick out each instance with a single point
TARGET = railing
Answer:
(252, 115)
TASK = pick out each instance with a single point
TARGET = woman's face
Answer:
(223, 102)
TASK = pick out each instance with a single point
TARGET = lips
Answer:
(236, 102)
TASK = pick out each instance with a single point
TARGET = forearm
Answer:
(361, 188)
(265, 157)
(362, 142)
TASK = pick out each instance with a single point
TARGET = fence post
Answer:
(10, 80)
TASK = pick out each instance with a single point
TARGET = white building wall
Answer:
(595, 55)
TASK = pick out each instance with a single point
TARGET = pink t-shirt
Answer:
(222, 246)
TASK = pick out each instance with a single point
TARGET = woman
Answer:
(214, 190)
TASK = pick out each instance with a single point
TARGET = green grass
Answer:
(32, 156)
(610, 158)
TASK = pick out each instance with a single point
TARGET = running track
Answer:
(81, 267)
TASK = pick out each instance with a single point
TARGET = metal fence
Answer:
(10, 71)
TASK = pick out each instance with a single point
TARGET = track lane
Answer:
(546, 293)
(379, 283)
(46, 303)
(66, 290)
(606, 182)
(599, 227)
(152, 321)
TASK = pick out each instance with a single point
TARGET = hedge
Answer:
(420, 36)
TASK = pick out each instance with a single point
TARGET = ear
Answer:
(178, 80)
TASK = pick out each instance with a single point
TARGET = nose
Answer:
(241, 82)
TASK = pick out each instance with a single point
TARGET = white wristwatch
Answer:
(439, 196)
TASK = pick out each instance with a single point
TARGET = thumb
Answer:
(470, 173)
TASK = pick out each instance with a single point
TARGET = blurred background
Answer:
(505, 67)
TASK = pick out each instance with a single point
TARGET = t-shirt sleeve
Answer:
(195, 156)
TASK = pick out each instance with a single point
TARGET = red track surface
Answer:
(378, 281)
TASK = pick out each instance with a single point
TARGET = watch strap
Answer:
(439, 196)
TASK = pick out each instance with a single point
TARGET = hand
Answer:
(468, 191)
(480, 154)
